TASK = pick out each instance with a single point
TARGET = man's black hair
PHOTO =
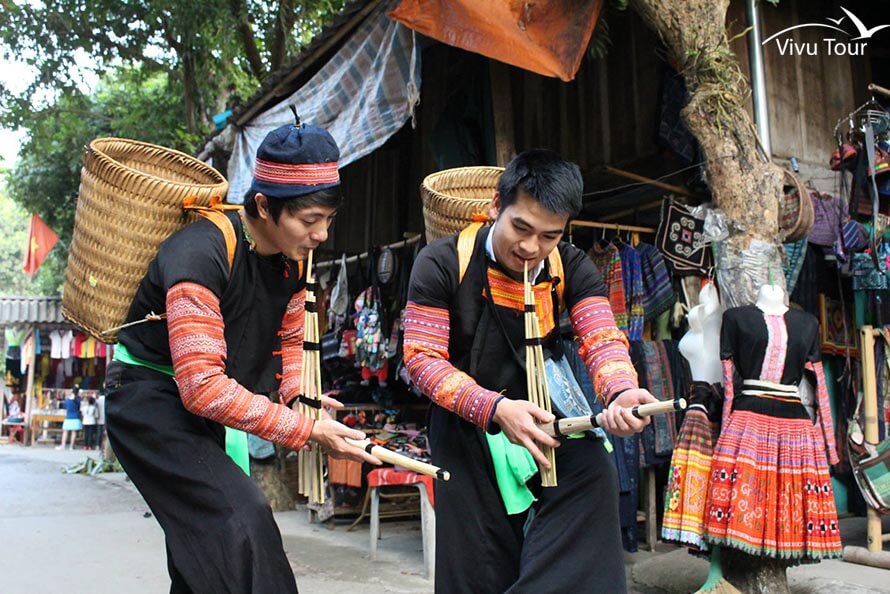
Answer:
(329, 197)
(544, 176)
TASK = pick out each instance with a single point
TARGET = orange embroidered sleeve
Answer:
(292, 347)
(426, 358)
(603, 348)
(198, 351)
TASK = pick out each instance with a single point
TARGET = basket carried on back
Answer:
(130, 200)
(451, 198)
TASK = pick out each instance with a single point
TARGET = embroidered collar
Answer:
(489, 250)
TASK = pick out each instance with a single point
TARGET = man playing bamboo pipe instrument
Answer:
(464, 337)
(233, 332)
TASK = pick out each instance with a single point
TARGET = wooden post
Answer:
(29, 389)
(870, 395)
(502, 107)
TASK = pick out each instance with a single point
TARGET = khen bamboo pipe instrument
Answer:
(311, 460)
(534, 372)
(578, 424)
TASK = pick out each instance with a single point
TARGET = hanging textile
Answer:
(607, 260)
(680, 237)
(658, 292)
(362, 96)
(633, 291)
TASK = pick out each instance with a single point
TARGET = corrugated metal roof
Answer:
(30, 310)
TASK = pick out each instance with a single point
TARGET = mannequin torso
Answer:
(701, 344)
(771, 300)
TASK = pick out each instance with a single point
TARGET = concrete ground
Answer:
(95, 535)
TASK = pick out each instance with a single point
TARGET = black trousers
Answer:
(569, 542)
(220, 533)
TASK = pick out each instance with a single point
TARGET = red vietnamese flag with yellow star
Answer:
(41, 240)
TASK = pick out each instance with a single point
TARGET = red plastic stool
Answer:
(388, 477)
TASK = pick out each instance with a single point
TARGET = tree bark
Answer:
(752, 575)
(189, 85)
(284, 24)
(248, 41)
(271, 478)
(744, 183)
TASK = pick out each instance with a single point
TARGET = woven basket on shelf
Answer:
(130, 200)
(451, 198)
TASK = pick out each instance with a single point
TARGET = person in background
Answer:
(88, 412)
(72, 423)
(14, 412)
(100, 419)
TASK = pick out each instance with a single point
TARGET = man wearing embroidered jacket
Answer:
(464, 344)
(230, 337)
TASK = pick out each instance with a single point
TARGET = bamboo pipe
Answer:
(311, 387)
(534, 368)
(879, 89)
(579, 424)
(391, 457)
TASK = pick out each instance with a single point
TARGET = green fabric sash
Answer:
(513, 466)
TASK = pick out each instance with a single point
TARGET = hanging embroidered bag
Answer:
(680, 237)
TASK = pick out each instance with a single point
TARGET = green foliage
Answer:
(214, 49)
(45, 180)
(600, 41)
(14, 222)
(164, 68)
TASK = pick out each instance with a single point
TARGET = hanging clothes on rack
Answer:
(632, 272)
(607, 259)
(658, 291)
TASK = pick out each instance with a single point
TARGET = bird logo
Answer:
(863, 31)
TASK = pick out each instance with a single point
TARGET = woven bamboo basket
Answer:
(451, 198)
(130, 200)
(796, 215)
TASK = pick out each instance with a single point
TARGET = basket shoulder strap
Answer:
(466, 241)
(215, 213)
(554, 261)
(223, 223)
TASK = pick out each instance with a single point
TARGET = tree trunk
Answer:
(744, 184)
(284, 25)
(752, 575)
(248, 41)
(272, 479)
(188, 85)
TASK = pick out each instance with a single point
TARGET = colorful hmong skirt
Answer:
(687, 489)
(770, 493)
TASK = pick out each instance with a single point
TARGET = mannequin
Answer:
(771, 300)
(700, 346)
(686, 494)
(770, 492)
